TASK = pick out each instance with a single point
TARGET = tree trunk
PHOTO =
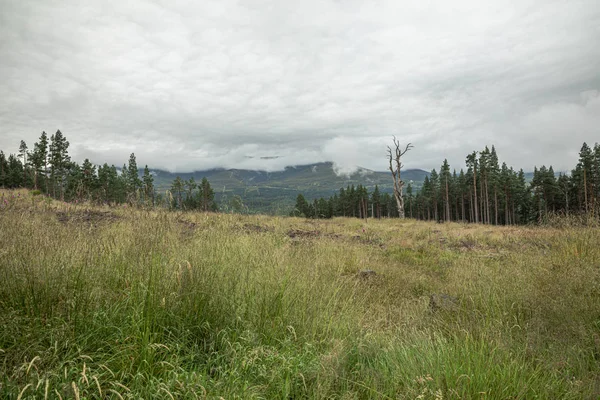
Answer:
(447, 201)
(475, 195)
(496, 205)
(585, 191)
(481, 203)
(506, 213)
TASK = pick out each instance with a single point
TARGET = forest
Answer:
(487, 192)
(48, 169)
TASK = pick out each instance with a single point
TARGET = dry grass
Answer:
(100, 302)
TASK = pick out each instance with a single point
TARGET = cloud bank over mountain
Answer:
(197, 85)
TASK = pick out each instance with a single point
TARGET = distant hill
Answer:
(275, 192)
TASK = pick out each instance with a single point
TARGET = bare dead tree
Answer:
(394, 157)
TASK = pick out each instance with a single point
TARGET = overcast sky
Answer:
(190, 85)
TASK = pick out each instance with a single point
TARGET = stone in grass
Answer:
(442, 302)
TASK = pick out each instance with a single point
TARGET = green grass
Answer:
(100, 303)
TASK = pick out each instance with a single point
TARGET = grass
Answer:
(120, 303)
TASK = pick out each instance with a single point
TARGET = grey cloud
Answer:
(194, 85)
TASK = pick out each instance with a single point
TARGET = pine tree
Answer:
(434, 179)
(596, 175)
(177, 188)
(74, 182)
(59, 160)
(15, 172)
(23, 156)
(462, 191)
(132, 176)
(564, 185)
(207, 196)
(39, 160)
(584, 176)
(426, 197)
(376, 202)
(445, 178)
(523, 199)
(301, 207)
(473, 166)
(409, 200)
(484, 160)
(494, 171)
(118, 186)
(190, 186)
(148, 180)
(89, 180)
(3, 170)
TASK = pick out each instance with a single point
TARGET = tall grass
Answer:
(100, 303)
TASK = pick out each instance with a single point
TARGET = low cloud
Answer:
(234, 85)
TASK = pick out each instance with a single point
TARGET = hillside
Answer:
(100, 303)
(275, 192)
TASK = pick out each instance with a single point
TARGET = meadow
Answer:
(105, 303)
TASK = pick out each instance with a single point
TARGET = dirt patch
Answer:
(253, 228)
(466, 245)
(87, 216)
(301, 234)
(188, 227)
(370, 241)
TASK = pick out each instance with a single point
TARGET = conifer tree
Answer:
(3, 170)
(445, 177)
(23, 156)
(584, 176)
(376, 202)
(409, 200)
(484, 160)
(177, 188)
(301, 208)
(39, 160)
(493, 171)
(59, 162)
(190, 185)
(596, 176)
(148, 181)
(207, 196)
(462, 191)
(132, 176)
(473, 165)
(89, 180)
(15, 172)
(426, 197)
(564, 185)
(434, 179)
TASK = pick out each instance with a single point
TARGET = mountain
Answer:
(275, 192)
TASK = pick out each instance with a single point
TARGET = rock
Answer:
(443, 302)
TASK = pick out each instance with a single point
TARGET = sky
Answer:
(263, 84)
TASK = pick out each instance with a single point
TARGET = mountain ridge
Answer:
(276, 191)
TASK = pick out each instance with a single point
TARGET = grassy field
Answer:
(102, 303)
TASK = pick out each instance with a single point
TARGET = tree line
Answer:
(486, 192)
(349, 202)
(48, 169)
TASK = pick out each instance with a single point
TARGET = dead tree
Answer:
(394, 157)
